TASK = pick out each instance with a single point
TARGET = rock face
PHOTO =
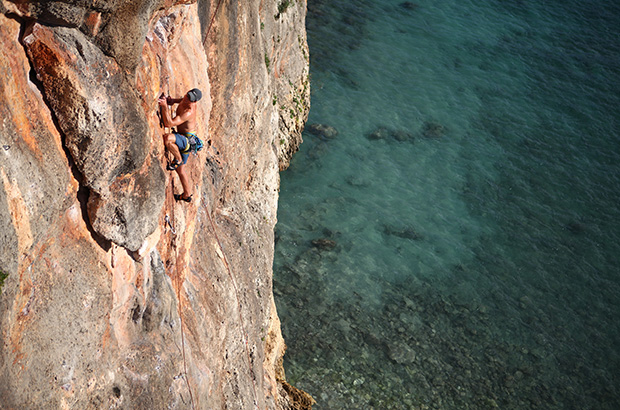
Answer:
(116, 296)
(104, 130)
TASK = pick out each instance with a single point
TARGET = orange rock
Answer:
(93, 22)
(104, 307)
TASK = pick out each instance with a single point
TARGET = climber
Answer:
(180, 143)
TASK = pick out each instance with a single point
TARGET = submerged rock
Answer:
(357, 181)
(432, 129)
(576, 228)
(406, 232)
(408, 5)
(324, 244)
(402, 135)
(320, 149)
(380, 133)
(401, 353)
(384, 133)
(322, 130)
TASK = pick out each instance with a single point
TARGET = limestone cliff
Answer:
(113, 295)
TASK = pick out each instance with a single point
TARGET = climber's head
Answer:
(194, 95)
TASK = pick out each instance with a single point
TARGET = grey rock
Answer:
(380, 133)
(322, 130)
(105, 132)
(432, 129)
(384, 133)
(401, 353)
(324, 244)
(402, 136)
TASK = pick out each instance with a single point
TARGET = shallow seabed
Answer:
(456, 245)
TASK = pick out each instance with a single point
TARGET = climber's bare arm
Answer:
(172, 101)
(179, 119)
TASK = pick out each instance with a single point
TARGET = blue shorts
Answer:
(182, 144)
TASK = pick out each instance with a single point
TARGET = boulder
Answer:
(380, 133)
(402, 135)
(322, 130)
(401, 353)
(432, 129)
(324, 244)
(384, 133)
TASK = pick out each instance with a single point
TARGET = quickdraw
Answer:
(167, 219)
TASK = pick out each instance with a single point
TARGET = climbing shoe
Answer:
(173, 165)
(179, 197)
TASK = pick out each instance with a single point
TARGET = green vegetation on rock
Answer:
(3, 276)
(284, 4)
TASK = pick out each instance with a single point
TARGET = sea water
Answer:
(457, 243)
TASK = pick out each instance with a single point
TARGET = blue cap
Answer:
(194, 95)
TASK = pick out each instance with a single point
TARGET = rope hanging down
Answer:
(173, 243)
(245, 333)
(211, 23)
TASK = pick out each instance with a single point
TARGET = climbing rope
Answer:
(224, 259)
(189, 388)
(173, 244)
(245, 333)
(211, 23)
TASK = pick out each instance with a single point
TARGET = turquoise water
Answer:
(457, 243)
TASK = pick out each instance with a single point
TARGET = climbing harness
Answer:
(194, 144)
